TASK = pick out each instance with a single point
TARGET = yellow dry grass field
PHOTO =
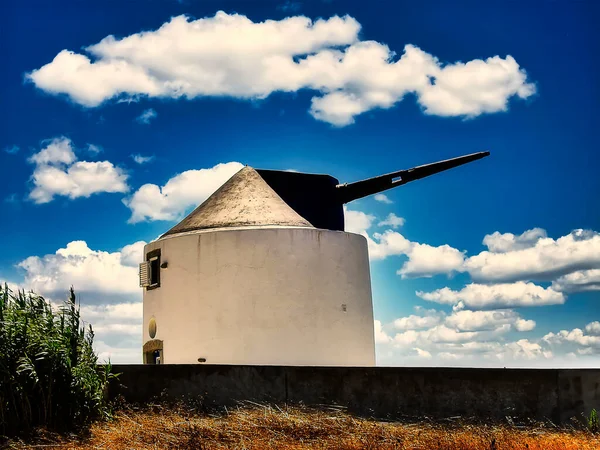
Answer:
(272, 427)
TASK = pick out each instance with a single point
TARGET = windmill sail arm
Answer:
(353, 191)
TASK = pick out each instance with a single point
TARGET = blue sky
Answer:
(77, 146)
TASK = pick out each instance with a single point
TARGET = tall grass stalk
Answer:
(48, 370)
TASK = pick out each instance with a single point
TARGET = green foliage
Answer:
(593, 422)
(48, 370)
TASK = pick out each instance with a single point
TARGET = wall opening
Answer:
(153, 352)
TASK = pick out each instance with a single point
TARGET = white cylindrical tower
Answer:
(244, 279)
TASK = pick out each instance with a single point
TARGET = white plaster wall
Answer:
(264, 296)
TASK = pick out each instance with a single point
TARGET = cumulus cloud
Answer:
(422, 353)
(121, 352)
(381, 337)
(392, 220)
(140, 159)
(95, 274)
(580, 281)
(424, 260)
(357, 221)
(488, 320)
(544, 260)
(588, 341)
(389, 243)
(107, 287)
(230, 55)
(445, 337)
(146, 116)
(505, 295)
(133, 254)
(465, 338)
(383, 199)
(524, 325)
(460, 326)
(428, 319)
(58, 151)
(506, 242)
(180, 193)
(117, 329)
(593, 328)
(57, 172)
(572, 261)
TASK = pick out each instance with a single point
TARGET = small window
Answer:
(153, 260)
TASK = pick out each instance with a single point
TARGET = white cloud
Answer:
(117, 329)
(381, 337)
(572, 261)
(472, 338)
(389, 243)
(476, 87)
(230, 55)
(488, 320)
(422, 353)
(435, 327)
(357, 221)
(57, 172)
(133, 254)
(122, 352)
(106, 285)
(506, 242)
(93, 273)
(524, 325)
(423, 260)
(81, 179)
(383, 198)
(525, 350)
(490, 296)
(580, 281)
(146, 116)
(121, 312)
(544, 260)
(58, 151)
(139, 159)
(392, 220)
(575, 336)
(593, 328)
(183, 191)
(430, 319)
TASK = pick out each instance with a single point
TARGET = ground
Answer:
(253, 426)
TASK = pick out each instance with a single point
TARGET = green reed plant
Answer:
(593, 422)
(49, 374)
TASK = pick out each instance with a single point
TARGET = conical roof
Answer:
(244, 200)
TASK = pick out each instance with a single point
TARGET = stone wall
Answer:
(555, 394)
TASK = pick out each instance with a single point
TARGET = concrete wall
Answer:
(278, 295)
(554, 394)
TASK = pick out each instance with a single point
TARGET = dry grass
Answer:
(271, 427)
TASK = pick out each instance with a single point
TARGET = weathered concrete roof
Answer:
(244, 200)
